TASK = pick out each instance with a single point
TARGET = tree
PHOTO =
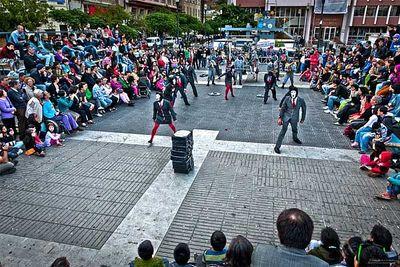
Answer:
(229, 15)
(188, 23)
(30, 13)
(114, 15)
(161, 22)
(74, 18)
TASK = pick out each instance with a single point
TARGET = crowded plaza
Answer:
(95, 99)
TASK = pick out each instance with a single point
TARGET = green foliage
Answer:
(74, 18)
(129, 31)
(230, 15)
(30, 13)
(114, 15)
(188, 23)
(161, 22)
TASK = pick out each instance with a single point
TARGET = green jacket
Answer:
(64, 103)
(153, 262)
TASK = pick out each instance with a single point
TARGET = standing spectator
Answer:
(18, 99)
(239, 252)
(239, 66)
(34, 112)
(7, 111)
(295, 229)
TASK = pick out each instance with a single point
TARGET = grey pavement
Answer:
(96, 198)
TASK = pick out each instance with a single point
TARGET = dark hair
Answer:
(239, 252)
(98, 81)
(60, 262)
(350, 250)
(218, 241)
(371, 255)
(62, 93)
(382, 236)
(182, 254)
(73, 89)
(13, 83)
(53, 78)
(383, 109)
(1, 92)
(295, 228)
(145, 250)
(331, 242)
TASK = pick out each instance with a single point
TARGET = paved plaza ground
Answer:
(106, 191)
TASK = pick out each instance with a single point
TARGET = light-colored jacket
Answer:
(34, 107)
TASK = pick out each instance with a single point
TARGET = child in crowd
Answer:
(33, 144)
(392, 188)
(52, 138)
(146, 259)
(329, 247)
(181, 256)
(378, 164)
(7, 137)
(217, 253)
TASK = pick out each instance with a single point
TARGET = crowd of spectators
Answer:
(296, 248)
(58, 84)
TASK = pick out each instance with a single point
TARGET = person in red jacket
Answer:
(380, 166)
(7, 55)
(314, 61)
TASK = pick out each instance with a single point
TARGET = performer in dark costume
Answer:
(163, 113)
(290, 113)
(190, 74)
(180, 84)
(270, 82)
(229, 77)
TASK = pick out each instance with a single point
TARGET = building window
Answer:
(359, 11)
(371, 11)
(362, 33)
(395, 11)
(383, 11)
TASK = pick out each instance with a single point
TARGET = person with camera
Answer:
(6, 166)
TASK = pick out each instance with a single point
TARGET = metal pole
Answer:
(320, 38)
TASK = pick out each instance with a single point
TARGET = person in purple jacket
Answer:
(7, 110)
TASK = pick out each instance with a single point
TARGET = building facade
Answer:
(360, 19)
(191, 7)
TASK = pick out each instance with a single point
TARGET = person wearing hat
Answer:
(395, 46)
(290, 114)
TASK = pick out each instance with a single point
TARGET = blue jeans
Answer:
(49, 58)
(360, 132)
(332, 100)
(393, 190)
(366, 138)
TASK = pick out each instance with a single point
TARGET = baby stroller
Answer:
(143, 86)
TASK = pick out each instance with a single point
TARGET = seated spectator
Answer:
(7, 55)
(239, 252)
(78, 107)
(64, 104)
(50, 113)
(382, 237)
(217, 253)
(102, 100)
(370, 255)
(33, 144)
(146, 259)
(60, 262)
(31, 60)
(7, 137)
(40, 77)
(295, 229)
(40, 51)
(52, 138)
(329, 249)
(350, 249)
(6, 167)
(181, 256)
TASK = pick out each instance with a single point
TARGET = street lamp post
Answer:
(177, 20)
(320, 39)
